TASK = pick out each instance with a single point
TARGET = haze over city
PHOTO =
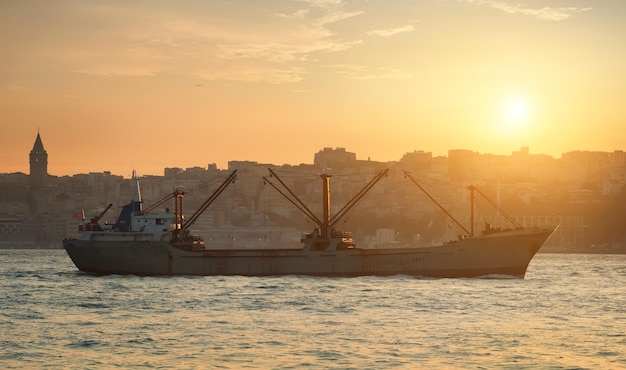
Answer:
(123, 85)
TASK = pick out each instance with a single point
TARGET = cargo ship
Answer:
(143, 242)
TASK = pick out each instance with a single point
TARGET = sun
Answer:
(515, 115)
(516, 110)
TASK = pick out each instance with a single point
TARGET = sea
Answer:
(568, 313)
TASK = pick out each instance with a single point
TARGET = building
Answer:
(334, 158)
(38, 166)
(38, 177)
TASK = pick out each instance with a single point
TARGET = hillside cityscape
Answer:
(583, 192)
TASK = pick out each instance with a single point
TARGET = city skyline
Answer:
(118, 86)
(38, 147)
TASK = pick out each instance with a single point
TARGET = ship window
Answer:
(160, 221)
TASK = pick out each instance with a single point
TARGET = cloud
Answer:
(301, 13)
(358, 72)
(262, 46)
(545, 13)
(249, 73)
(17, 87)
(323, 3)
(336, 16)
(391, 31)
(278, 43)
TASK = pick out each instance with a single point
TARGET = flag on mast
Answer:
(80, 214)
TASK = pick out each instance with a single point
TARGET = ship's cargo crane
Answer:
(93, 222)
(182, 227)
(325, 231)
(472, 188)
(96, 219)
(174, 194)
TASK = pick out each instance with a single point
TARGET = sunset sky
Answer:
(148, 84)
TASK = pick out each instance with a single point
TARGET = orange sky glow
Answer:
(122, 85)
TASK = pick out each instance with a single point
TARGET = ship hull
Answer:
(505, 254)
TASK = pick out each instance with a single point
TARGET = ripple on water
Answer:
(568, 313)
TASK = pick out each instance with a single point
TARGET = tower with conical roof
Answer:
(38, 165)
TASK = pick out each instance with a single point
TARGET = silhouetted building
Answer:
(417, 161)
(462, 165)
(38, 166)
(334, 158)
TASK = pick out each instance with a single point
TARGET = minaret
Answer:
(38, 165)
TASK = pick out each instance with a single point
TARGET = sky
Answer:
(148, 84)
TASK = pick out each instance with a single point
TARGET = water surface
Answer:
(569, 313)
